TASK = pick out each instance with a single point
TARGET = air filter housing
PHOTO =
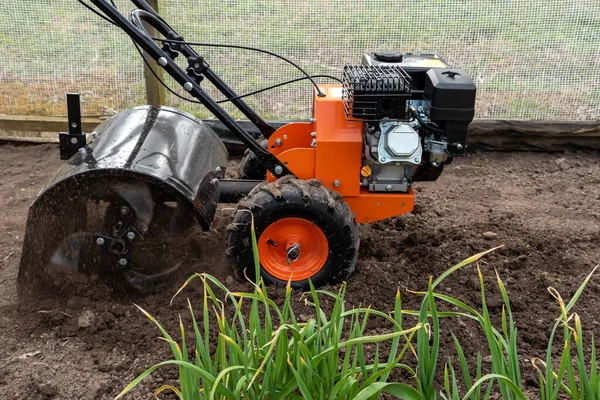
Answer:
(375, 93)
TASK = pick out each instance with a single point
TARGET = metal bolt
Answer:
(214, 181)
(197, 65)
(218, 169)
(313, 143)
(285, 136)
(389, 188)
(313, 134)
(293, 253)
(123, 262)
(124, 210)
(459, 146)
(130, 235)
(82, 150)
(94, 135)
(383, 158)
(278, 142)
(417, 160)
(336, 183)
(434, 164)
(74, 125)
(313, 120)
(188, 86)
(74, 140)
(100, 241)
(162, 61)
(278, 169)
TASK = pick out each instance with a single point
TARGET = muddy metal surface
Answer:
(544, 209)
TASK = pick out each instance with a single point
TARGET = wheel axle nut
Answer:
(293, 253)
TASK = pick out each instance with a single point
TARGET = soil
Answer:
(544, 209)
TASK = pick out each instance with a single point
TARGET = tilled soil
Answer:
(544, 209)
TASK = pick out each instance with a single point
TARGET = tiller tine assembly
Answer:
(118, 204)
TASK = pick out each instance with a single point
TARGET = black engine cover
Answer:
(450, 97)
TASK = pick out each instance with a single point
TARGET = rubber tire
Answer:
(250, 165)
(308, 199)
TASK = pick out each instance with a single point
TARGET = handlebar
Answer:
(190, 80)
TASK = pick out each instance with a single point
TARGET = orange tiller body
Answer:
(336, 158)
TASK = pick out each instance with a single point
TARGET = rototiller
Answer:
(120, 210)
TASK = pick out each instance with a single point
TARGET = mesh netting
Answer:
(530, 59)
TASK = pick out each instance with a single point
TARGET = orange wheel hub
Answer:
(293, 248)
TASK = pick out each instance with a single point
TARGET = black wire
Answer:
(104, 17)
(233, 46)
(233, 98)
(138, 50)
(311, 78)
(278, 85)
(159, 79)
(424, 125)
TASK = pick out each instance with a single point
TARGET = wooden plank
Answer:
(42, 124)
(483, 134)
(155, 91)
(507, 135)
(28, 139)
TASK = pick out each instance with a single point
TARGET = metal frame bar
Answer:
(139, 35)
(71, 141)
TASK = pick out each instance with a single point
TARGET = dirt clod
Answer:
(93, 343)
(563, 164)
(86, 319)
(490, 235)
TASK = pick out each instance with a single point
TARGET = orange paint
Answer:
(300, 161)
(281, 236)
(291, 136)
(337, 158)
(339, 143)
(374, 206)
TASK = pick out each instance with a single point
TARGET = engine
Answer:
(415, 110)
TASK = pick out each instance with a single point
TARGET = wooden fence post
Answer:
(155, 92)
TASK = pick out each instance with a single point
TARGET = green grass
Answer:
(498, 41)
(264, 352)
